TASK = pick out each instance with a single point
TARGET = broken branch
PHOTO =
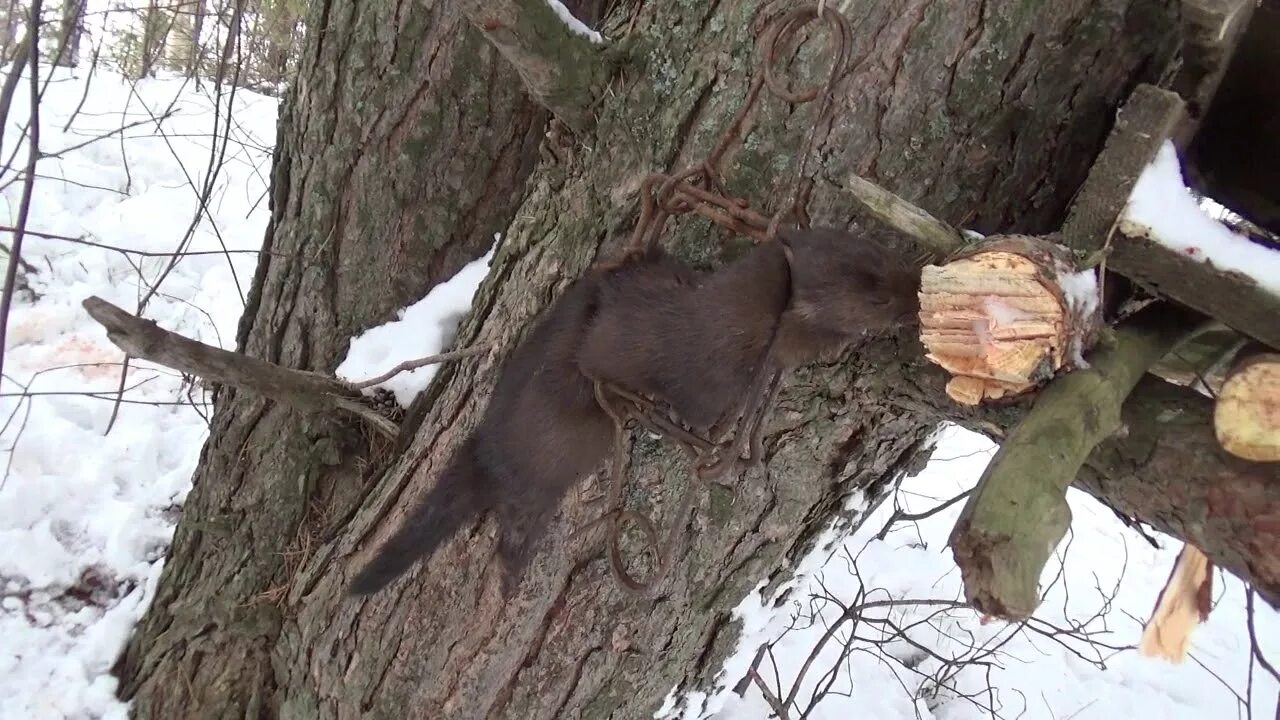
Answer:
(1018, 512)
(304, 390)
(929, 232)
(561, 68)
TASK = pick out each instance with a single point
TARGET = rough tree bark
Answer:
(405, 144)
(398, 160)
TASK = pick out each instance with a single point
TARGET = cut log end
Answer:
(1183, 604)
(1246, 418)
(991, 585)
(1006, 315)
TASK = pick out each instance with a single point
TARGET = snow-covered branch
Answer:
(1136, 207)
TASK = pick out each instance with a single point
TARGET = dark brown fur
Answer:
(657, 327)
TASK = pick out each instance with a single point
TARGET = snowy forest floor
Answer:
(89, 497)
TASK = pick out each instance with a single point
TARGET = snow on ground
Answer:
(85, 515)
(1032, 675)
(1162, 207)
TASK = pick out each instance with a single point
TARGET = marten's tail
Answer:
(456, 498)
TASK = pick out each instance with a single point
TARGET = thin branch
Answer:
(937, 237)
(28, 183)
(130, 251)
(408, 365)
(769, 696)
(900, 516)
(1254, 647)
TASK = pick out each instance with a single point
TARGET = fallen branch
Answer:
(298, 388)
(1018, 512)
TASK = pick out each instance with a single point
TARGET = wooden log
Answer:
(1246, 417)
(1018, 512)
(1169, 471)
(1232, 298)
(1006, 314)
(1149, 117)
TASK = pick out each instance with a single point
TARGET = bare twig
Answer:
(770, 697)
(900, 516)
(1254, 647)
(130, 251)
(408, 365)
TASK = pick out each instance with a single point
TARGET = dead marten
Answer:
(654, 326)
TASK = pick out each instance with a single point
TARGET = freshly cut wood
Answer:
(1246, 418)
(1183, 604)
(1005, 315)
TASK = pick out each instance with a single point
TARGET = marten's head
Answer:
(847, 283)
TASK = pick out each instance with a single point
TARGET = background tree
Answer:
(405, 144)
(156, 23)
(70, 30)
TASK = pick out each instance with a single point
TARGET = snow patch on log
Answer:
(1164, 210)
(421, 329)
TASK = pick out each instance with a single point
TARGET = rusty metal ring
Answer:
(783, 28)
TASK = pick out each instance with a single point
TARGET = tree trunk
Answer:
(404, 146)
(72, 28)
(152, 40)
(195, 53)
(379, 191)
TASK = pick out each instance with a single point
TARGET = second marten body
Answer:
(657, 327)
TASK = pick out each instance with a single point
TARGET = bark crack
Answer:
(898, 53)
(531, 653)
